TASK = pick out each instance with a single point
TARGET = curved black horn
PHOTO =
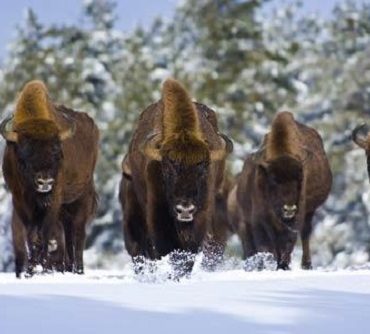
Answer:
(8, 135)
(227, 148)
(359, 136)
(229, 144)
(150, 147)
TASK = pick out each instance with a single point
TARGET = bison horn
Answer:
(227, 148)
(308, 155)
(151, 148)
(360, 134)
(9, 135)
(68, 133)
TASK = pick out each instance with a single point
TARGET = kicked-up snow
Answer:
(228, 301)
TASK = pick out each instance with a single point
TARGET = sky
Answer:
(130, 13)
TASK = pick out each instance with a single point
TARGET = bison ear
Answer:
(360, 135)
(8, 134)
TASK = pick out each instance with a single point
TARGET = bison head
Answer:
(38, 150)
(185, 163)
(283, 178)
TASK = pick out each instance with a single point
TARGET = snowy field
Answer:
(231, 301)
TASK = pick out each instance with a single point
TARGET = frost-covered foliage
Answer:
(244, 59)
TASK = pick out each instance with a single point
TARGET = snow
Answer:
(235, 300)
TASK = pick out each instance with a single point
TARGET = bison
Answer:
(278, 191)
(48, 166)
(171, 175)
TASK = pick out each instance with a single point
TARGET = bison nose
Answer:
(44, 184)
(289, 211)
(185, 212)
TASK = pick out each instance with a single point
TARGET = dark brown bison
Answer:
(279, 189)
(360, 135)
(48, 165)
(171, 175)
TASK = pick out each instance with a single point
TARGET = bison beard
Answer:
(171, 176)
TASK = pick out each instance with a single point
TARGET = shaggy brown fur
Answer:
(182, 137)
(283, 138)
(290, 170)
(169, 163)
(33, 102)
(41, 129)
(49, 222)
(179, 117)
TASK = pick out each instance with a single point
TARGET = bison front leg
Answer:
(305, 237)
(19, 244)
(213, 253)
(34, 241)
(285, 244)
(53, 244)
(182, 263)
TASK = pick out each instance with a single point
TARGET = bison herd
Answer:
(175, 196)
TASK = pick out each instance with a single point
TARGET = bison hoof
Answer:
(69, 268)
(307, 266)
(79, 271)
(30, 272)
(283, 266)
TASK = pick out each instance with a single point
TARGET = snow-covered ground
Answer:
(231, 301)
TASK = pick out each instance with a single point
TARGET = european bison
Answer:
(279, 190)
(171, 174)
(48, 166)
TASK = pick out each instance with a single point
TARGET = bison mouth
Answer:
(185, 213)
(44, 189)
(185, 218)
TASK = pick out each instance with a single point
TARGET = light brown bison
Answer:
(171, 175)
(279, 190)
(48, 165)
